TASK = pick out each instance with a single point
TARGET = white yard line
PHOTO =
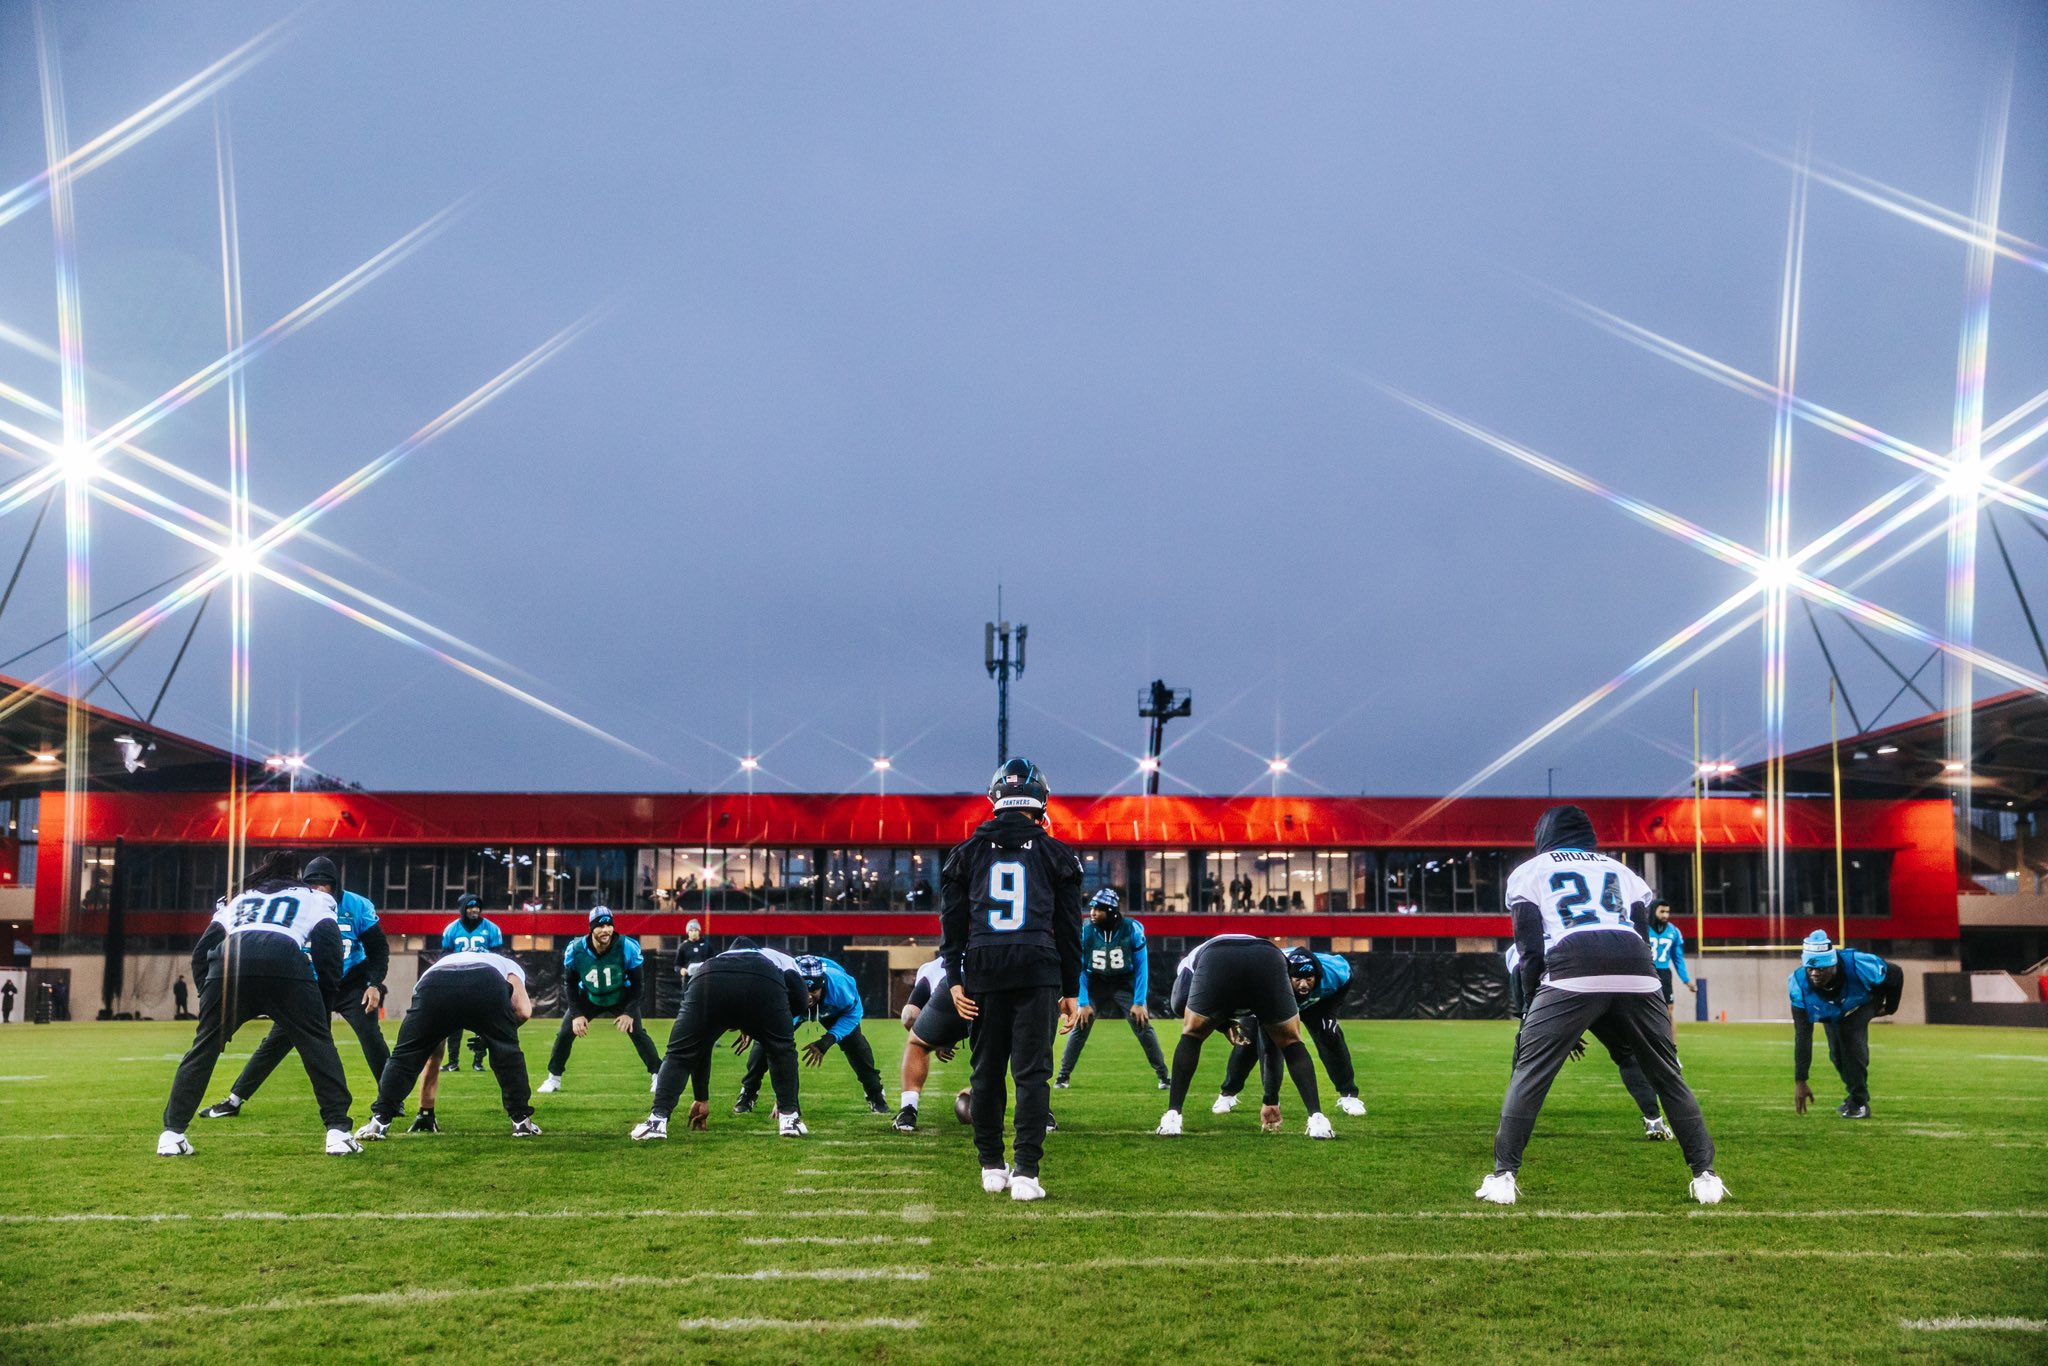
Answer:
(794, 1325)
(459, 1292)
(1948, 1325)
(854, 1191)
(1509, 1256)
(866, 1171)
(819, 1240)
(1375, 1215)
(2011, 1057)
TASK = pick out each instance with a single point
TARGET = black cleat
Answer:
(477, 1063)
(906, 1120)
(1059, 1083)
(743, 1106)
(878, 1105)
(1051, 1125)
(1855, 1112)
(227, 1109)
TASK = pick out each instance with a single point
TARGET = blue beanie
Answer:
(1817, 952)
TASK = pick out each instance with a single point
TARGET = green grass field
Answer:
(1223, 1245)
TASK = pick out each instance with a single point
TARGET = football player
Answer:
(275, 950)
(832, 998)
(1667, 950)
(477, 990)
(358, 996)
(1632, 1079)
(469, 932)
(1225, 977)
(759, 992)
(935, 1029)
(1580, 921)
(1115, 977)
(1318, 980)
(601, 977)
(1844, 989)
(1010, 932)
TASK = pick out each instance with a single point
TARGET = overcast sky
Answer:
(888, 303)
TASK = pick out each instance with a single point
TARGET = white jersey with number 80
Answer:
(294, 912)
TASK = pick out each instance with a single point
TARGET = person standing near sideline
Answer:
(1845, 989)
(696, 950)
(1667, 951)
(7, 1000)
(181, 1000)
(1010, 932)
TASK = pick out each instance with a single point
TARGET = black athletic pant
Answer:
(1555, 1022)
(1013, 1037)
(477, 999)
(1113, 999)
(348, 1004)
(453, 1057)
(1319, 1027)
(860, 1056)
(253, 980)
(745, 992)
(1849, 1050)
(565, 1039)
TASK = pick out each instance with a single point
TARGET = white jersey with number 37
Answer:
(1577, 889)
(294, 912)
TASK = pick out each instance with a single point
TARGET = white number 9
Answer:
(1006, 885)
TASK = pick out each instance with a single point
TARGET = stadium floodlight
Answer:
(1276, 765)
(45, 756)
(749, 762)
(1887, 749)
(882, 764)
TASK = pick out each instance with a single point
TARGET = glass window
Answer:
(1166, 881)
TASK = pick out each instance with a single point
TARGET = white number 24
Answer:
(1006, 887)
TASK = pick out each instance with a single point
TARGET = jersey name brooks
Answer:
(1577, 890)
(294, 913)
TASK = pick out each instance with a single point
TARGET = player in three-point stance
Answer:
(761, 993)
(1318, 980)
(1219, 980)
(1844, 989)
(274, 950)
(357, 999)
(833, 999)
(1580, 921)
(1115, 977)
(476, 990)
(1632, 1079)
(600, 977)
(1010, 932)
(469, 932)
(934, 1029)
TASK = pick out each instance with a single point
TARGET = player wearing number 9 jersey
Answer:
(1010, 933)
(275, 950)
(1580, 919)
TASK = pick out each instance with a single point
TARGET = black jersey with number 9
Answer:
(1011, 908)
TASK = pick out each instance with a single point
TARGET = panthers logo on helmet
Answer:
(1302, 963)
(1018, 785)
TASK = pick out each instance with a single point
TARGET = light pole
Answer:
(1160, 704)
(995, 643)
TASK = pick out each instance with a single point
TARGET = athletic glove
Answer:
(423, 1123)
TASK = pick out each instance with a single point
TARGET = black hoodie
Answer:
(1564, 838)
(1010, 909)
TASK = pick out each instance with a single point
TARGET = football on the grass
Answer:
(963, 1107)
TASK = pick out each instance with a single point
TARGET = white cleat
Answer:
(1223, 1105)
(1707, 1188)
(341, 1144)
(1498, 1189)
(373, 1132)
(1026, 1188)
(1319, 1126)
(551, 1085)
(1656, 1130)
(1169, 1125)
(170, 1144)
(995, 1180)
(790, 1126)
(654, 1126)
(1351, 1105)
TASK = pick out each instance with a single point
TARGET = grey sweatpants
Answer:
(1635, 1020)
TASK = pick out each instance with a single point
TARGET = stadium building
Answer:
(1410, 884)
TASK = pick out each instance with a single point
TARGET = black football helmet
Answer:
(1019, 786)
(1302, 963)
(811, 968)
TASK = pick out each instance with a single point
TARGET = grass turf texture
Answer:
(585, 1246)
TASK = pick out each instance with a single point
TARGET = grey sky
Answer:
(900, 298)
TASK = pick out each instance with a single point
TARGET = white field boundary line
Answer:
(924, 1213)
(1953, 1324)
(855, 1191)
(381, 1298)
(1510, 1256)
(795, 1325)
(826, 1240)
